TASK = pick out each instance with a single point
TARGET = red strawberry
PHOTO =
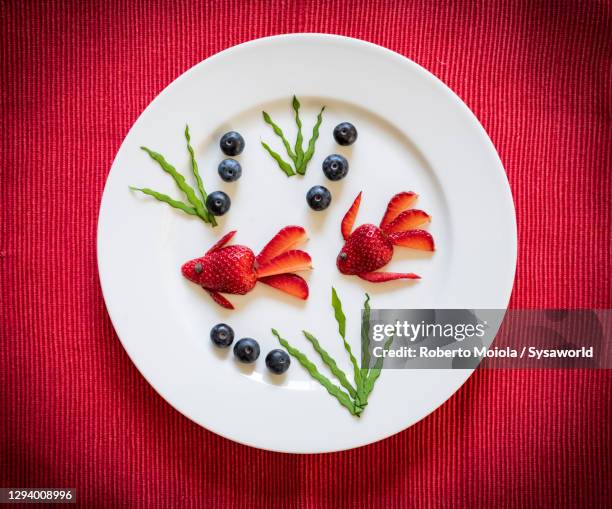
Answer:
(399, 203)
(231, 269)
(381, 277)
(291, 261)
(349, 218)
(407, 220)
(288, 238)
(366, 250)
(221, 300)
(416, 239)
(222, 241)
(370, 248)
(288, 283)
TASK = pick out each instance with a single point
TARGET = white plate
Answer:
(414, 134)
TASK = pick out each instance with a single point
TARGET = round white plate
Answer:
(414, 135)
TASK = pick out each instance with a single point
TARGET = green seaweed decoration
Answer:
(296, 154)
(196, 205)
(351, 395)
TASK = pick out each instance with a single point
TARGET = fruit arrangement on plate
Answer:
(227, 268)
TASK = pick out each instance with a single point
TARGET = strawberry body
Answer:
(366, 249)
(229, 270)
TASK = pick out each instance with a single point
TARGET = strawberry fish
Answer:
(235, 269)
(370, 247)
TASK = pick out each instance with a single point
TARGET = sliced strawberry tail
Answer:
(285, 240)
(289, 283)
(290, 261)
(397, 205)
(220, 299)
(407, 220)
(414, 239)
(381, 277)
(349, 218)
(222, 241)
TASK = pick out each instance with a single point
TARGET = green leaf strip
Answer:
(365, 338)
(299, 150)
(279, 132)
(331, 388)
(180, 182)
(331, 364)
(339, 313)
(281, 163)
(167, 199)
(375, 371)
(196, 173)
(341, 319)
(311, 144)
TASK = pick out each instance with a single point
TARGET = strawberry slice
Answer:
(286, 239)
(381, 277)
(220, 299)
(288, 283)
(222, 241)
(407, 220)
(397, 205)
(290, 261)
(349, 218)
(415, 239)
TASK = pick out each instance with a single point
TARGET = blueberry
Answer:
(232, 143)
(218, 203)
(318, 197)
(246, 350)
(278, 361)
(229, 170)
(335, 167)
(345, 133)
(222, 335)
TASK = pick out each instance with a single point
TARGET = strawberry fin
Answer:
(222, 241)
(290, 261)
(397, 205)
(349, 218)
(407, 220)
(220, 299)
(381, 277)
(415, 239)
(288, 283)
(285, 240)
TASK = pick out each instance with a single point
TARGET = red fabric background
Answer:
(74, 410)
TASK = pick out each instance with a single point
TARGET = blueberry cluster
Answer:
(335, 167)
(247, 350)
(232, 144)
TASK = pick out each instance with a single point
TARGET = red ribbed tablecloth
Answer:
(76, 413)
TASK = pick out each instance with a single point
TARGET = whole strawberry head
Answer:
(230, 269)
(367, 249)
